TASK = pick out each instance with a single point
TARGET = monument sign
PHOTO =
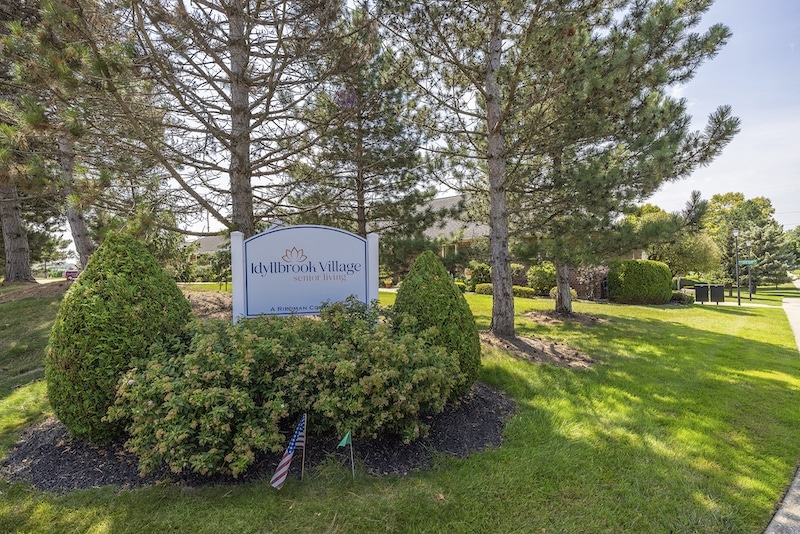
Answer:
(291, 270)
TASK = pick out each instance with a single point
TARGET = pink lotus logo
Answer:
(295, 255)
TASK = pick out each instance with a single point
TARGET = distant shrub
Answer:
(430, 296)
(121, 304)
(679, 297)
(461, 285)
(640, 282)
(524, 292)
(542, 277)
(554, 291)
(483, 289)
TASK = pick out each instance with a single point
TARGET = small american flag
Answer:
(298, 441)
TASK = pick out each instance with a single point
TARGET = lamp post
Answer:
(738, 288)
(749, 278)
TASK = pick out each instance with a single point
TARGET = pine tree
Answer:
(365, 173)
(557, 111)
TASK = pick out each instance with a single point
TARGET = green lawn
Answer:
(688, 423)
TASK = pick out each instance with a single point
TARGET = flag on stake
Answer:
(348, 440)
(298, 441)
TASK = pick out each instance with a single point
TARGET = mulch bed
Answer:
(47, 458)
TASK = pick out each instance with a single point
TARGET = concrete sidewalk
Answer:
(787, 519)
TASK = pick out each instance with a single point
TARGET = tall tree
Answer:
(17, 169)
(561, 108)
(231, 77)
(365, 173)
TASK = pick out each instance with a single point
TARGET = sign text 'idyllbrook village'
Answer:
(294, 269)
(331, 270)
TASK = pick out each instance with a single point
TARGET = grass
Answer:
(688, 423)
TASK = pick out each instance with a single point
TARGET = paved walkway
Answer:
(787, 518)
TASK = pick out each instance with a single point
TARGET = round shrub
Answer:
(371, 380)
(120, 305)
(542, 277)
(639, 282)
(429, 295)
(483, 289)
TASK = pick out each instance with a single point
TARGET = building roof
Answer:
(210, 244)
(457, 226)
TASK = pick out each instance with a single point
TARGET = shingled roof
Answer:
(457, 226)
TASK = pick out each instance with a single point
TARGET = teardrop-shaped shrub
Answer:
(431, 298)
(117, 308)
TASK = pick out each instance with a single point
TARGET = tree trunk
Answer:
(84, 245)
(503, 297)
(15, 237)
(563, 295)
(240, 173)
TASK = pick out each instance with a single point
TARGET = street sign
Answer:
(748, 262)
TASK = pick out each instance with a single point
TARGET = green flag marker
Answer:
(346, 440)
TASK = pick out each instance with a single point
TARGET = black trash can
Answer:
(717, 293)
(701, 293)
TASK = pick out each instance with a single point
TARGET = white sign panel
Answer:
(292, 270)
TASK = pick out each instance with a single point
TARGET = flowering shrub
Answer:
(208, 403)
(206, 407)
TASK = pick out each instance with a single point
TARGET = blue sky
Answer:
(758, 74)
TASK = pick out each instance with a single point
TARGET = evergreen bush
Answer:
(121, 304)
(639, 282)
(430, 296)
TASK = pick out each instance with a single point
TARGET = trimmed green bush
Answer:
(430, 296)
(121, 304)
(542, 277)
(373, 380)
(523, 292)
(639, 282)
(483, 289)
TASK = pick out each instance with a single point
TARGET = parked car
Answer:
(71, 274)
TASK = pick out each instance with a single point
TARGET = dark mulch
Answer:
(46, 457)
